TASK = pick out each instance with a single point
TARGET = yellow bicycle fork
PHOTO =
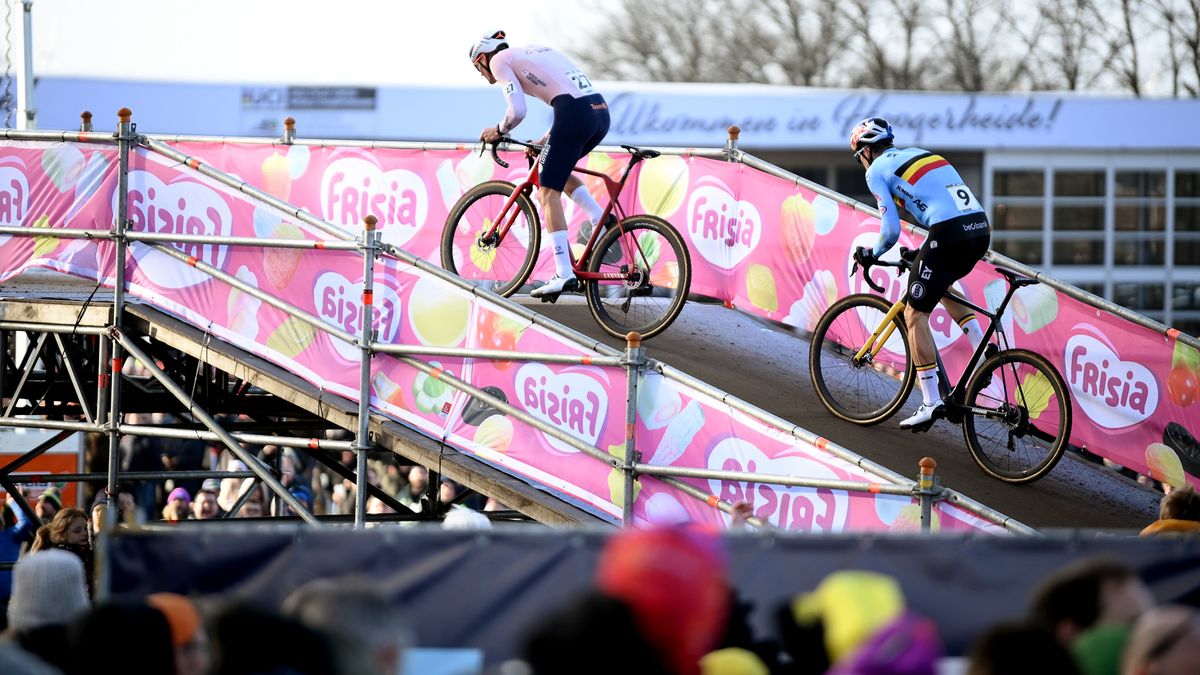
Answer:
(881, 334)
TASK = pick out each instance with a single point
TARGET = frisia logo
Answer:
(354, 188)
(339, 303)
(788, 508)
(572, 400)
(723, 229)
(1113, 393)
(14, 196)
(182, 207)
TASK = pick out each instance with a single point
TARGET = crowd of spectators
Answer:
(661, 599)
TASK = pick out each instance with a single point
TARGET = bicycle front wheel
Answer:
(1018, 418)
(652, 274)
(502, 265)
(864, 391)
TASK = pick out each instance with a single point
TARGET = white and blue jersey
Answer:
(928, 187)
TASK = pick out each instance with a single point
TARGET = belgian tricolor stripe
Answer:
(912, 170)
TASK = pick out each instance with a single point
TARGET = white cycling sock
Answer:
(562, 254)
(583, 199)
(927, 377)
(970, 326)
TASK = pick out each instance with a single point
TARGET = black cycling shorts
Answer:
(949, 254)
(579, 125)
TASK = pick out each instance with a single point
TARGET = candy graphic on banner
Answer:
(63, 164)
(663, 509)
(760, 288)
(277, 176)
(818, 294)
(1034, 307)
(1179, 439)
(662, 185)
(291, 337)
(431, 394)
(353, 188)
(790, 508)
(616, 479)
(182, 207)
(43, 246)
(1164, 465)
(90, 180)
(722, 229)
(243, 307)
(1183, 382)
(281, 263)
(386, 389)
(797, 229)
(438, 312)
(825, 214)
(679, 435)
(495, 432)
(658, 402)
(1112, 392)
(298, 157)
(574, 400)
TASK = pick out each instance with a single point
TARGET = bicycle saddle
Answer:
(1015, 279)
(640, 153)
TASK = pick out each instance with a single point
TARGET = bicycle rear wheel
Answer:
(864, 392)
(656, 274)
(503, 265)
(1018, 418)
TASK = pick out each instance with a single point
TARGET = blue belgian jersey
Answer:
(924, 184)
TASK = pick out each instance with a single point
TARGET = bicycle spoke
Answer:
(653, 275)
(471, 248)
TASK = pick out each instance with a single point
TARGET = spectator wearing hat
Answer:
(48, 504)
(188, 638)
(179, 504)
(49, 593)
(68, 531)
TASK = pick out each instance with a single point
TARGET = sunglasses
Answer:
(858, 155)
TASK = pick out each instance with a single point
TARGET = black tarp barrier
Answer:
(484, 589)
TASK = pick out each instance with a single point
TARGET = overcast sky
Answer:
(370, 42)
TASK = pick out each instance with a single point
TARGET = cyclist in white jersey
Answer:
(580, 122)
(934, 195)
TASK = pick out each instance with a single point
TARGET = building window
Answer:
(1078, 217)
(1187, 218)
(1139, 218)
(1018, 198)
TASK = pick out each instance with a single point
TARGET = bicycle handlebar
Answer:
(507, 140)
(901, 265)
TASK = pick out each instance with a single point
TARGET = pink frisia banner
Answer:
(770, 248)
(48, 186)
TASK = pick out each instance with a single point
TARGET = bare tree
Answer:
(1180, 19)
(970, 38)
(806, 30)
(889, 39)
(1066, 51)
(1123, 46)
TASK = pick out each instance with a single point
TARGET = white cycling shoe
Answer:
(555, 286)
(925, 416)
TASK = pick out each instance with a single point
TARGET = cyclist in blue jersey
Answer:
(934, 195)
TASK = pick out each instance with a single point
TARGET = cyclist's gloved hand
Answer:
(864, 257)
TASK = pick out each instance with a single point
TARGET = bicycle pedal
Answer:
(551, 298)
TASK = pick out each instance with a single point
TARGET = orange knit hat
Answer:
(181, 615)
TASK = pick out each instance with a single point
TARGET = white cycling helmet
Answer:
(488, 44)
(869, 132)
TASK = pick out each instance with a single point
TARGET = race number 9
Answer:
(963, 198)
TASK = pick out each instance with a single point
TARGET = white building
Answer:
(1103, 193)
